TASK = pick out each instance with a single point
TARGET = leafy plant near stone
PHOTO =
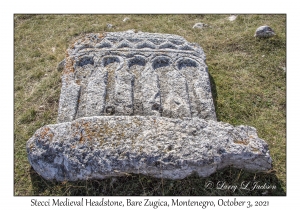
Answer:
(247, 76)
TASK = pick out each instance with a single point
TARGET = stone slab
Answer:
(105, 146)
(127, 74)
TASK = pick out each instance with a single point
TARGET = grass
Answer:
(247, 78)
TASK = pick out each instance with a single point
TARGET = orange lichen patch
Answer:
(254, 149)
(81, 139)
(66, 54)
(50, 135)
(77, 125)
(89, 132)
(98, 133)
(45, 134)
(101, 36)
(31, 147)
(69, 68)
(244, 142)
(77, 82)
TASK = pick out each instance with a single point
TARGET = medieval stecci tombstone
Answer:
(139, 103)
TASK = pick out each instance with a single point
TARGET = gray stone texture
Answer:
(264, 32)
(104, 146)
(135, 74)
(139, 103)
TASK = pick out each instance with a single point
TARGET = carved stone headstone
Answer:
(139, 103)
(126, 74)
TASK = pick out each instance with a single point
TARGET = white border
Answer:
(155, 6)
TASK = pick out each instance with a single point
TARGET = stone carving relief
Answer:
(139, 103)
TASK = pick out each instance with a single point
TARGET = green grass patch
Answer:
(247, 78)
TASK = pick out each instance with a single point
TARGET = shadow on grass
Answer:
(227, 182)
(269, 45)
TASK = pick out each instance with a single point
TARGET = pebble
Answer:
(200, 25)
(264, 32)
(109, 25)
(232, 17)
(125, 19)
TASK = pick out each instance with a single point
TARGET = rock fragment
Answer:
(61, 65)
(108, 25)
(101, 147)
(264, 32)
(126, 19)
(200, 25)
(232, 17)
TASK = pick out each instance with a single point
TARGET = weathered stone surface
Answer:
(264, 32)
(135, 74)
(100, 147)
(139, 103)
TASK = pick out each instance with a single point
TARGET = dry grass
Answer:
(248, 81)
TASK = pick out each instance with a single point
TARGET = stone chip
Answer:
(264, 32)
